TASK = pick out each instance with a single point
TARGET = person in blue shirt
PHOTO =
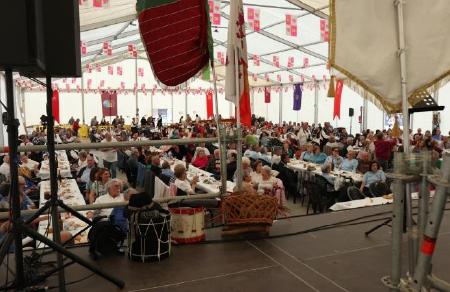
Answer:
(334, 159)
(306, 155)
(350, 163)
(318, 157)
(374, 175)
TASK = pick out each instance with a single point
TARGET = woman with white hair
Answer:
(246, 166)
(271, 186)
(113, 194)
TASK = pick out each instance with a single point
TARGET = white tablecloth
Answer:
(369, 202)
(63, 166)
(298, 165)
(206, 182)
(70, 194)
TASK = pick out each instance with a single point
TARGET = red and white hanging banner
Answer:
(100, 3)
(67, 87)
(78, 89)
(256, 60)
(290, 62)
(291, 25)
(107, 49)
(89, 67)
(89, 83)
(74, 80)
(221, 57)
(305, 62)
(98, 68)
(255, 77)
(83, 48)
(132, 51)
(110, 70)
(102, 83)
(214, 12)
(141, 72)
(143, 89)
(278, 77)
(64, 80)
(119, 70)
(253, 15)
(122, 85)
(324, 31)
(266, 76)
(276, 61)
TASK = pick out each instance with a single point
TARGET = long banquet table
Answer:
(63, 166)
(70, 194)
(206, 181)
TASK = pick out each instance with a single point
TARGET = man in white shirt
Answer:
(110, 155)
(113, 195)
(4, 168)
(303, 134)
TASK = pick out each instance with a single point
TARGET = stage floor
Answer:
(336, 259)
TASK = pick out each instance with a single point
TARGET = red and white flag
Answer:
(67, 87)
(290, 62)
(253, 15)
(83, 48)
(122, 85)
(64, 80)
(278, 77)
(305, 62)
(255, 77)
(221, 57)
(238, 92)
(256, 60)
(143, 89)
(266, 76)
(55, 105)
(324, 31)
(141, 72)
(276, 61)
(110, 70)
(132, 51)
(97, 3)
(98, 68)
(89, 67)
(214, 12)
(74, 80)
(102, 83)
(119, 70)
(89, 83)
(291, 25)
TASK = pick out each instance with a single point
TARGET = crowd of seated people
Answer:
(270, 147)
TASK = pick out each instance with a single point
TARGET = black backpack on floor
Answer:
(105, 238)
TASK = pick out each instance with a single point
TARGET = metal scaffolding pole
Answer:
(316, 104)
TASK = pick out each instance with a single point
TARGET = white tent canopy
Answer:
(117, 24)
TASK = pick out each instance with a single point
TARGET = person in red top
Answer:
(76, 126)
(201, 160)
(383, 150)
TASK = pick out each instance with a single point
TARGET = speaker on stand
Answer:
(351, 113)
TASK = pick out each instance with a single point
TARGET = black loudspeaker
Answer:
(351, 112)
(40, 37)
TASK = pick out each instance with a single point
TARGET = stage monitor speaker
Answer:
(40, 37)
(351, 112)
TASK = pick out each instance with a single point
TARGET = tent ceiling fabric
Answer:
(117, 24)
(368, 52)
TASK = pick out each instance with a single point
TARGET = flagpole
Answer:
(136, 80)
(238, 121)
(220, 136)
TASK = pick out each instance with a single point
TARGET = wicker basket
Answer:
(245, 208)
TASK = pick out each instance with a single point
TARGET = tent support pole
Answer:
(82, 100)
(136, 90)
(365, 113)
(220, 135)
(238, 121)
(316, 104)
(280, 107)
